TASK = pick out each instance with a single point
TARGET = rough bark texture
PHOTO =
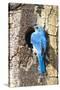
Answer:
(20, 55)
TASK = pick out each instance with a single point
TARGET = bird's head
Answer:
(38, 28)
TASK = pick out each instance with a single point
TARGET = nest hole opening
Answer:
(28, 33)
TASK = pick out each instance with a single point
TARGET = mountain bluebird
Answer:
(39, 41)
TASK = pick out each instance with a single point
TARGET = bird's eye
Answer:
(36, 27)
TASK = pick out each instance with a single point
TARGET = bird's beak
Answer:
(34, 27)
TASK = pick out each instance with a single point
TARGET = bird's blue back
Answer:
(38, 39)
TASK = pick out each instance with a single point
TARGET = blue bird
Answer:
(39, 41)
